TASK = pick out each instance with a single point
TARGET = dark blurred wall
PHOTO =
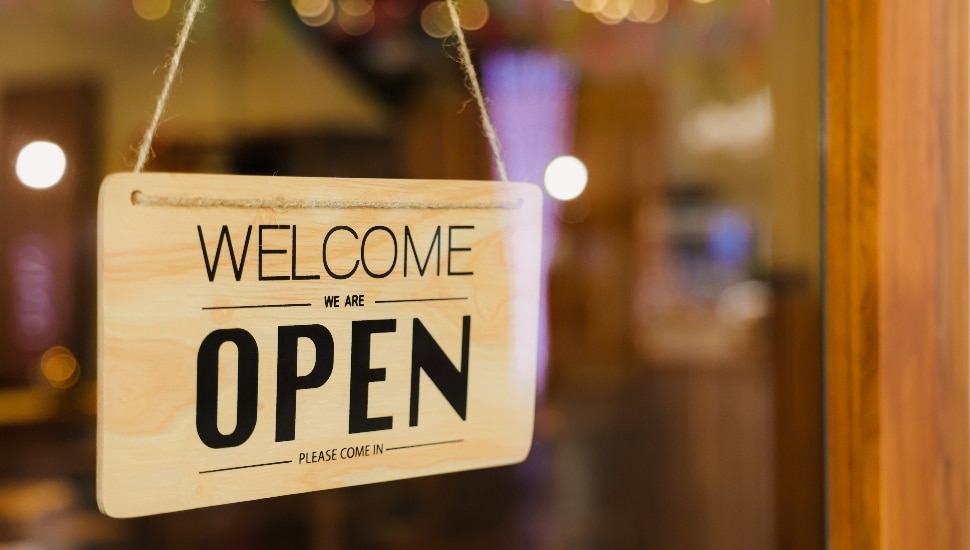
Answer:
(47, 236)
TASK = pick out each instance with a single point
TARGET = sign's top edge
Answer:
(207, 175)
(283, 192)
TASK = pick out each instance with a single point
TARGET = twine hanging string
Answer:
(471, 81)
(145, 147)
(141, 198)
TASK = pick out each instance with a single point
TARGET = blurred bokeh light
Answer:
(41, 164)
(565, 178)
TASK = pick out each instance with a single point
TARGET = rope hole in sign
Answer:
(185, 29)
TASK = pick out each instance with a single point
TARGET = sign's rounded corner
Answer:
(108, 184)
(525, 448)
(106, 508)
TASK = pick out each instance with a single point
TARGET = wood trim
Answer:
(896, 277)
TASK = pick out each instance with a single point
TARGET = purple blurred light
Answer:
(532, 100)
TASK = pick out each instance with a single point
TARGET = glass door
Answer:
(680, 401)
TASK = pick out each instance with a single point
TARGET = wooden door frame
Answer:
(895, 146)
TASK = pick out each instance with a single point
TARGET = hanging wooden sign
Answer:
(263, 336)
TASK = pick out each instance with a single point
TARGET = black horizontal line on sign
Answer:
(419, 300)
(424, 445)
(257, 306)
(243, 467)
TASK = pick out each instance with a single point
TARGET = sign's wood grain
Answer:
(263, 336)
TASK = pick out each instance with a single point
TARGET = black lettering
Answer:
(270, 251)
(452, 248)
(287, 381)
(361, 375)
(293, 271)
(207, 389)
(363, 258)
(224, 236)
(327, 265)
(427, 355)
(427, 260)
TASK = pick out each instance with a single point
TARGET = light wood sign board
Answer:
(264, 336)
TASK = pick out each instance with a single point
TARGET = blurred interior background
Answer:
(681, 397)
